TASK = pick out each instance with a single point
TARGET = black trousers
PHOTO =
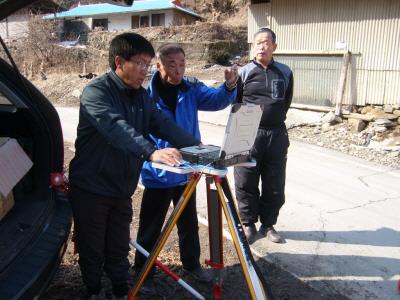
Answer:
(270, 153)
(102, 228)
(155, 204)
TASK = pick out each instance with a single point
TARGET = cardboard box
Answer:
(6, 203)
(14, 164)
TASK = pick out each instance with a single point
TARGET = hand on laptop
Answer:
(168, 156)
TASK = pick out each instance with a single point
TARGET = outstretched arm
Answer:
(212, 99)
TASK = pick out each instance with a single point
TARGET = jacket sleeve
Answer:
(97, 109)
(164, 128)
(212, 99)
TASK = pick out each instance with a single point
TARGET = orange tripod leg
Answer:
(184, 199)
(215, 237)
(256, 289)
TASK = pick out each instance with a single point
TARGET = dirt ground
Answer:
(67, 283)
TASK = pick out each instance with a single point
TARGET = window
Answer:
(158, 20)
(135, 21)
(144, 21)
(103, 23)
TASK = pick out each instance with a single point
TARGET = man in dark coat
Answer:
(116, 117)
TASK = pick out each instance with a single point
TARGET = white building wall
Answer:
(15, 26)
(119, 22)
(124, 21)
(3, 29)
(88, 22)
(169, 18)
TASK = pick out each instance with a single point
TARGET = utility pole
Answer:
(7, 33)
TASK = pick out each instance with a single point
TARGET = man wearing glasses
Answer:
(180, 98)
(116, 118)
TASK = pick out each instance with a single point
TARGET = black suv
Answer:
(34, 234)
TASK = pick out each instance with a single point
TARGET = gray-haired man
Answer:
(268, 83)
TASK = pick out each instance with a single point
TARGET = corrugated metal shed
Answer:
(108, 9)
(370, 29)
(258, 16)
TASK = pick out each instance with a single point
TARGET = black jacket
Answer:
(271, 87)
(113, 137)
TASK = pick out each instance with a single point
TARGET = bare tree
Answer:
(42, 36)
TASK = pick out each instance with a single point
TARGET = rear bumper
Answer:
(29, 275)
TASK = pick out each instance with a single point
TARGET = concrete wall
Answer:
(370, 29)
(203, 51)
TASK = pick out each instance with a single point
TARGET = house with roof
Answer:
(16, 25)
(316, 38)
(142, 13)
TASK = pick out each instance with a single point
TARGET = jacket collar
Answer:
(121, 85)
(152, 89)
(261, 66)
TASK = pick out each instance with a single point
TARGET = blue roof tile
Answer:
(106, 9)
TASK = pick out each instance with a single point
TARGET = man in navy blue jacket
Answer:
(116, 117)
(180, 98)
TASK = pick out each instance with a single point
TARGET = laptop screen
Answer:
(241, 129)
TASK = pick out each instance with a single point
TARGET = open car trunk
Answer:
(34, 232)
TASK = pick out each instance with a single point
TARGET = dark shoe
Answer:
(270, 233)
(250, 232)
(148, 287)
(199, 274)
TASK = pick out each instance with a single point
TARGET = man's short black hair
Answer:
(127, 45)
(268, 30)
(169, 49)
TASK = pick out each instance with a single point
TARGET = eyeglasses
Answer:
(142, 65)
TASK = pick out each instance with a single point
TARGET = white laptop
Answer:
(240, 134)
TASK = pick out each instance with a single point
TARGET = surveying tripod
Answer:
(218, 201)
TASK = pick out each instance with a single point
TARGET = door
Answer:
(158, 20)
(144, 21)
(135, 21)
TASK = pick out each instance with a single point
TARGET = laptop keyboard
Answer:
(210, 155)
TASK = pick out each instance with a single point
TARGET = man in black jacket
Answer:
(269, 83)
(116, 117)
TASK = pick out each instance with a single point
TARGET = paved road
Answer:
(340, 221)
